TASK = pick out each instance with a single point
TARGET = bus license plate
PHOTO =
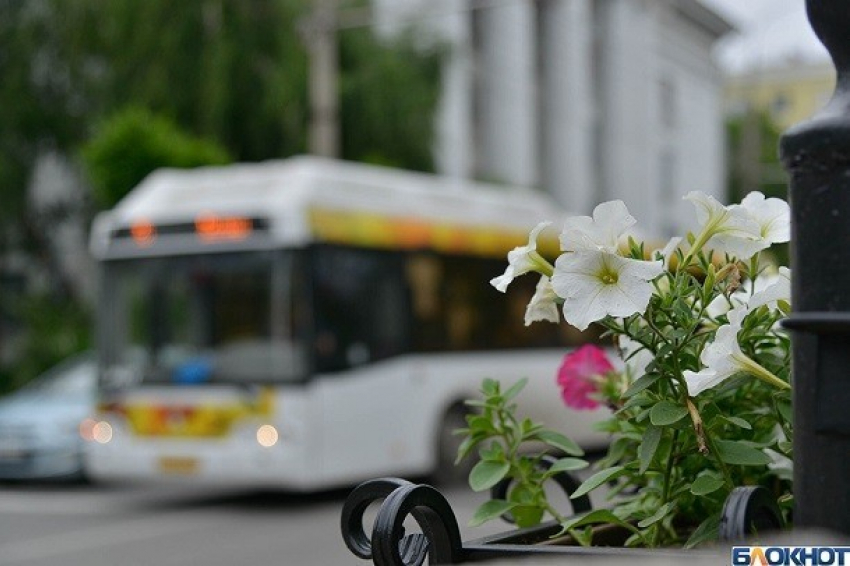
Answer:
(178, 465)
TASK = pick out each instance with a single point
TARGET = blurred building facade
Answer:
(589, 99)
(789, 92)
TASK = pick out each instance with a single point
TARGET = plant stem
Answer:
(712, 448)
(554, 512)
(704, 236)
(665, 493)
(704, 435)
(654, 328)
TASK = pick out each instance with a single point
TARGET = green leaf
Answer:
(657, 516)
(485, 475)
(559, 441)
(593, 517)
(490, 510)
(784, 409)
(529, 427)
(515, 389)
(738, 453)
(566, 465)
(641, 383)
(584, 537)
(665, 413)
(648, 447)
(466, 447)
(706, 484)
(490, 387)
(495, 453)
(598, 479)
(527, 515)
(707, 530)
(739, 422)
(480, 422)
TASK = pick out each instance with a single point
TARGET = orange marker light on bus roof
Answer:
(143, 233)
(211, 227)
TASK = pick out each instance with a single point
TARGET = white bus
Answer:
(308, 323)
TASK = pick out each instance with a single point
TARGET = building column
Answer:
(567, 110)
(505, 115)
(454, 149)
(626, 79)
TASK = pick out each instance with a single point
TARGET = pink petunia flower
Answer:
(580, 374)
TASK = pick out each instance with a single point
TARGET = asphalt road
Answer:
(116, 525)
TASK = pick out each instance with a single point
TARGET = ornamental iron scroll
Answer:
(355, 507)
(390, 546)
(747, 511)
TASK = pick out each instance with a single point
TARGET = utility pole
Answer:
(320, 31)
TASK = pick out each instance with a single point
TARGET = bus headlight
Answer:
(267, 435)
(102, 432)
(86, 429)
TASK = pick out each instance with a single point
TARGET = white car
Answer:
(43, 424)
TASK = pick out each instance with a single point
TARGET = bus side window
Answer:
(424, 275)
(359, 305)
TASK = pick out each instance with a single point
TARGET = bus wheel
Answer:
(446, 472)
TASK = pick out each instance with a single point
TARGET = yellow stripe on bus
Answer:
(195, 420)
(379, 231)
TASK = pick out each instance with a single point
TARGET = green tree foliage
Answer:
(33, 102)
(753, 145)
(753, 164)
(134, 142)
(234, 71)
(392, 124)
(56, 327)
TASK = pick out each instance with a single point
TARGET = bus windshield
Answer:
(212, 318)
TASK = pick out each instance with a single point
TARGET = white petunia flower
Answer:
(769, 289)
(543, 305)
(523, 259)
(772, 215)
(596, 284)
(723, 358)
(669, 250)
(610, 222)
(720, 305)
(777, 291)
(729, 229)
(780, 464)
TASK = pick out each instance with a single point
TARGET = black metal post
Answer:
(816, 154)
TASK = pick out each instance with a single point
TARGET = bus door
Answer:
(371, 395)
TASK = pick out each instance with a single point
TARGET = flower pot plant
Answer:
(700, 421)
(700, 400)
